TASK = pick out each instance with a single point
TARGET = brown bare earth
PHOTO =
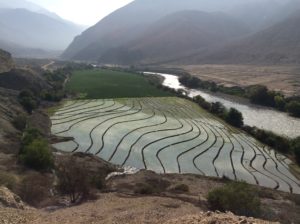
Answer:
(280, 78)
(121, 205)
(120, 209)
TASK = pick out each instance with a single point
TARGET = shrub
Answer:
(144, 188)
(20, 122)
(259, 94)
(202, 102)
(218, 109)
(235, 118)
(181, 188)
(152, 186)
(8, 180)
(28, 100)
(98, 181)
(237, 197)
(295, 147)
(34, 189)
(279, 102)
(293, 108)
(73, 179)
(37, 155)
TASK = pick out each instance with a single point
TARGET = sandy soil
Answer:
(115, 208)
(280, 78)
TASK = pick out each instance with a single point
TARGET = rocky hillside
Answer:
(6, 62)
(19, 79)
(176, 35)
(147, 31)
(279, 44)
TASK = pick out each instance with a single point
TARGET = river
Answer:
(261, 117)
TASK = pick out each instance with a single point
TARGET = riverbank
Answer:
(264, 118)
(277, 78)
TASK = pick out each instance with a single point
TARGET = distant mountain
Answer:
(23, 4)
(120, 28)
(177, 34)
(6, 62)
(35, 30)
(18, 51)
(260, 14)
(130, 22)
(277, 44)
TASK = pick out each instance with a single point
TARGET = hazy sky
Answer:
(85, 12)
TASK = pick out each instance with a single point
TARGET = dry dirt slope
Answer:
(115, 208)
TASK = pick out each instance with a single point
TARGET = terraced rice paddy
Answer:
(169, 135)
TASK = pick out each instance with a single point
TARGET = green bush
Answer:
(20, 122)
(28, 100)
(295, 147)
(237, 197)
(37, 155)
(235, 118)
(29, 135)
(293, 108)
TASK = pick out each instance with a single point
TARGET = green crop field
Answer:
(102, 83)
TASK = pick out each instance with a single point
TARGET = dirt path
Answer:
(45, 67)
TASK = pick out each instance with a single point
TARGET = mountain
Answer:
(261, 14)
(132, 21)
(23, 4)
(176, 34)
(36, 30)
(6, 62)
(279, 43)
(18, 51)
(128, 23)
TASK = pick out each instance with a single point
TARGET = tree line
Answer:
(257, 94)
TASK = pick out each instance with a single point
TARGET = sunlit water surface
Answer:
(261, 117)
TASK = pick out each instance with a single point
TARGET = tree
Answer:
(37, 155)
(73, 179)
(295, 146)
(260, 95)
(279, 102)
(202, 102)
(235, 118)
(28, 100)
(293, 108)
(217, 108)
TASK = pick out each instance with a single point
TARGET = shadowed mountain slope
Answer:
(277, 44)
(177, 34)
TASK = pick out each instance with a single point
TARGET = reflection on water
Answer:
(268, 119)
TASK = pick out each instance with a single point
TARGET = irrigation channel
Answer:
(261, 117)
(169, 135)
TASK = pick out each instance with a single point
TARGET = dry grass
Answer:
(280, 78)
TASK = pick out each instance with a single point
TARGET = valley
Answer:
(150, 111)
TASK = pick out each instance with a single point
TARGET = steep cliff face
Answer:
(6, 62)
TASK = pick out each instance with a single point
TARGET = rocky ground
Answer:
(115, 208)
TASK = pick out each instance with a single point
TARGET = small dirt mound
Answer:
(9, 199)
(216, 218)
